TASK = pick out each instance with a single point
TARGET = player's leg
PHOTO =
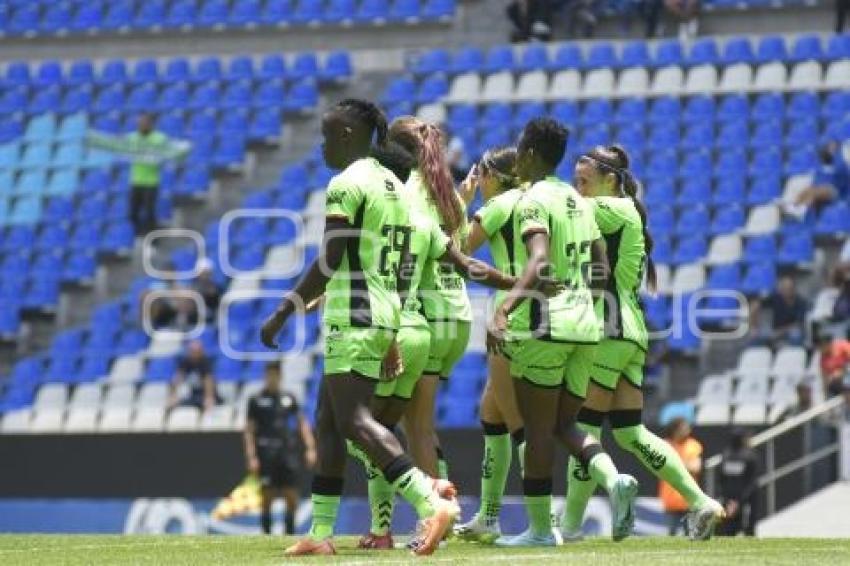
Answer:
(267, 494)
(419, 424)
(655, 453)
(458, 341)
(291, 499)
(496, 424)
(538, 367)
(621, 488)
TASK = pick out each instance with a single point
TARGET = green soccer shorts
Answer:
(552, 364)
(449, 339)
(414, 343)
(615, 358)
(356, 350)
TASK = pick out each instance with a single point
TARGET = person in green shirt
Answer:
(615, 392)
(500, 418)
(550, 340)
(428, 244)
(430, 191)
(147, 149)
(366, 234)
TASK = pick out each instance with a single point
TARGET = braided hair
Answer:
(614, 159)
(367, 114)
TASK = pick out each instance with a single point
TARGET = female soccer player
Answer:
(551, 341)
(500, 418)
(617, 376)
(428, 244)
(365, 236)
(430, 191)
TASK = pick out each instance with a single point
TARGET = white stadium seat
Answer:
(245, 282)
(82, 419)
(598, 83)
(713, 400)
(465, 88)
(313, 231)
(771, 77)
(750, 400)
(764, 219)
(153, 395)
(824, 303)
(183, 419)
(736, 78)
(701, 79)
(434, 113)
(16, 422)
(227, 390)
(51, 396)
(165, 343)
(565, 85)
(837, 75)
(532, 86)
(250, 389)
(755, 360)
(633, 82)
(121, 395)
(724, 249)
(784, 390)
(280, 260)
(148, 419)
(217, 419)
(115, 419)
(790, 361)
(668, 80)
(316, 203)
(86, 395)
(664, 283)
(805, 76)
(126, 369)
(47, 421)
(498, 87)
(688, 278)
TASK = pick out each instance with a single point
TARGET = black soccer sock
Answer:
(289, 521)
(266, 522)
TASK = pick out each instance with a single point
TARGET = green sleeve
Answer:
(343, 199)
(493, 215)
(533, 216)
(607, 218)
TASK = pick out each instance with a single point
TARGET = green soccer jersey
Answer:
(496, 218)
(442, 289)
(428, 243)
(362, 292)
(622, 228)
(555, 208)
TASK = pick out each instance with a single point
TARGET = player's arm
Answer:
(249, 438)
(477, 270)
(209, 390)
(308, 439)
(600, 269)
(477, 236)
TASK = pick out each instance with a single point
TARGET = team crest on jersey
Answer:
(531, 213)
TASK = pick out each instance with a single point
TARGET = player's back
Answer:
(362, 292)
(427, 244)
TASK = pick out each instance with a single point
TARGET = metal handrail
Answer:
(767, 437)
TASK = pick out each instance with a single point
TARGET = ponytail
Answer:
(616, 159)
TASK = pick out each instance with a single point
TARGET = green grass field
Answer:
(215, 550)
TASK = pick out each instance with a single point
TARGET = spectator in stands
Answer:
(678, 434)
(581, 18)
(841, 9)
(788, 313)
(457, 158)
(195, 369)
(206, 286)
(834, 364)
(651, 11)
(147, 149)
(830, 181)
(841, 307)
(278, 443)
(739, 485)
(803, 403)
(532, 20)
(686, 13)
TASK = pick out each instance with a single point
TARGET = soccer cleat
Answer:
(310, 547)
(528, 538)
(623, 507)
(432, 529)
(572, 536)
(479, 529)
(701, 522)
(372, 541)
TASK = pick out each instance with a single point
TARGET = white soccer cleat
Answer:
(623, 507)
(701, 522)
(479, 529)
(528, 539)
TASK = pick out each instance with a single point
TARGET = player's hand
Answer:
(310, 458)
(393, 365)
(469, 185)
(271, 328)
(254, 466)
(551, 287)
(496, 331)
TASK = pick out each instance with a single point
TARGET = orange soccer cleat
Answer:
(310, 547)
(376, 542)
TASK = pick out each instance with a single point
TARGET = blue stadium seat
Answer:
(796, 249)
(468, 59)
(566, 111)
(308, 11)
(86, 236)
(142, 98)
(131, 341)
(177, 70)
(738, 50)
(195, 180)
(305, 66)
(56, 18)
(807, 48)
(769, 106)
(88, 17)
(803, 133)
(760, 249)
(771, 48)
(113, 73)
(660, 192)
(767, 134)
(765, 190)
(668, 52)
(266, 126)
(182, 13)
(405, 11)
(760, 279)
(119, 15)
(662, 165)
(338, 67)
(80, 73)
(684, 339)
(730, 190)
(9, 156)
(245, 13)
(24, 20)
(13, 101)
(601, 55)
(662, 251)
(277, 13)
(663, 137)
(630, 111)
(145, 71)
(597, 112)
(665, 109)
(728, 219)
(162, 369)
(733, 108)
(733, 136)
(766, 162)
(704, 52)
(635, 54)
(439, 9)
(236, 95)
(213, 13)
(432, 61)
(19, 237)
(302, 97)
(17, 74)
(802, 161)
(633, 138)
(151, 14)
(838, 47)
(689, 250)
(208, 69)
(206, 97)
(568, 56)
(662, 220)
(499, 58)
(49, 74)
(803, 105)
(698, 136)
(76, 99)
(836, 105)
(696, 191)
(269, 96)
(272, 67)
(229, 152)
(45, 100)
(43, 295)
(62, 368)
(695, 165)
(724, 277)
(173, 98)
(694, 219)
(833, 221)
(527, 111)
(534, 58)
(432, 89)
